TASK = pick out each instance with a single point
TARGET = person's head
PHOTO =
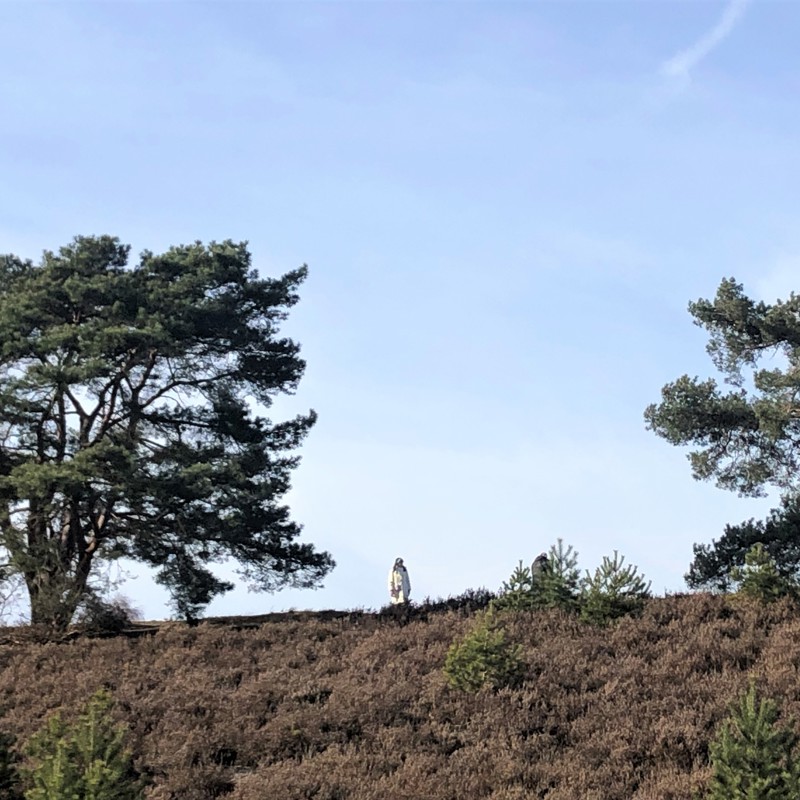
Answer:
(398, 562)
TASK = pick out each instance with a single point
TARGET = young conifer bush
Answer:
(518, 592)
(484, 657)
(557, 586)
(760, 579)
(615, 589)
(754, 757)
(86, 760)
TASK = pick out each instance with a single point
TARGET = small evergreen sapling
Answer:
(518, 592)
(753, 757)
(760, 578)
(559, 585)
(484, 657)
(613, 591)
(55, 773)
(554, 587)
(83, 761)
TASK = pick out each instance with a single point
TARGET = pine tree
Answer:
(558, 586)
(55, 776)
(613, 591)
(753, 757)
(132, 410)
(518, 592)
(484, 657)
(84, 761)
(779, 533)
(760, 577)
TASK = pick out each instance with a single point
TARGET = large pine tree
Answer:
(132, 421)
(746, 436)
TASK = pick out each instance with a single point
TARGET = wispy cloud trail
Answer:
(681, 64)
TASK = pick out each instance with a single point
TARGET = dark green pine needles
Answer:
(133, 423)
(754, 758)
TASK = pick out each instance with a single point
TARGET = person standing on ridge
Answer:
(399, 584)
(541, 565)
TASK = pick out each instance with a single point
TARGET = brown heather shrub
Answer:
(355, 705)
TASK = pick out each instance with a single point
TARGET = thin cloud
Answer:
(681, 64)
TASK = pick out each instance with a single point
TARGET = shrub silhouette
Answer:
(753, 757)
(484, 657)
(613, 591)
(100, 615)
(85, 761)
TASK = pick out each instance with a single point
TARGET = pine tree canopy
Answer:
(749, 436)
(131, 402)
(746, 438)
(779, 535)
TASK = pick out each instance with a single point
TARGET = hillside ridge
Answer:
(332, 705)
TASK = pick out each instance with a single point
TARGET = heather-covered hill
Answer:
(356, 706)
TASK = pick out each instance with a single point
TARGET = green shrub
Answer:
(83, 761)
(559, 585)
(753, 757)
(760, 579)
(555, 587)
(613, 591)
(484, 657)
(518, 592)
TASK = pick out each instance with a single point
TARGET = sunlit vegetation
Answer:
(357, 705)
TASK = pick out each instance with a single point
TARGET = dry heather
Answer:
(357, 707)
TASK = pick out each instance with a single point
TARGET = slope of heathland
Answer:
(355, 705)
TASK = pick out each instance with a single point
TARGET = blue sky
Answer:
(505, 209)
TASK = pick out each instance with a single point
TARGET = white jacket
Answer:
(399, 585)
